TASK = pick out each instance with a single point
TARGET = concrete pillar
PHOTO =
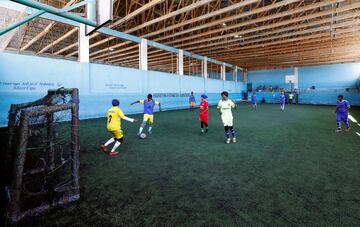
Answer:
(83, 45)
(235, 74)
(205, 71)
(143, 57)
(296, 78)
(223, 72)
(180, 62)
(245, 75)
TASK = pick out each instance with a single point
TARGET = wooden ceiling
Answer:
(250, 33)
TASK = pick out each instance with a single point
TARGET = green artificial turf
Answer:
(287, 169)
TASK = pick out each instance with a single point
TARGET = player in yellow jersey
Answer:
(114, 116)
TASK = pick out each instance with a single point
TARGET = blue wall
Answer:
(27, 78)
(329, 81)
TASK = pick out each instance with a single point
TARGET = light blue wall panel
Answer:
(37, 75)
(110, 79)
(195, 84)
(329, 76)
(269, 77)
(213, 85)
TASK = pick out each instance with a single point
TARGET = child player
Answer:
(204, 114)
(192, 101)
(225, 105)
(342, 112)
(149, 105)
(282, 101)
(114, 116)
(254, 100)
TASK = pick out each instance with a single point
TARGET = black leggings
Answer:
(203, 123)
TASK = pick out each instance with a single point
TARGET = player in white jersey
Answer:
(225, 105)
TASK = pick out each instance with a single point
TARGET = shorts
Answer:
(227, 121)
(149, 117)
(192, 104)
(204, 118)
(342, 117)
(117, 134)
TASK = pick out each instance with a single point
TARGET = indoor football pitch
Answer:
(286, 169)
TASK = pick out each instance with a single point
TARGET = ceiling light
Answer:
(236, 36)
(224, 24)
(111, 49)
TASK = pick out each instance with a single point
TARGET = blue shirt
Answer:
(343, 107)
(253, 99)
(192, 98)
(282, 99)
(149, 106)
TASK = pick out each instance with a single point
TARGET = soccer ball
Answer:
(143, 136)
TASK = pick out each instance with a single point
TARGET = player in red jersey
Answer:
(204, 114)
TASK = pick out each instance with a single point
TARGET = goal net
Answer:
(44, 143)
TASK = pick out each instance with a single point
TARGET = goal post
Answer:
(45, 153)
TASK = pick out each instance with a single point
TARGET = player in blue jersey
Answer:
(254, 100)
(342, 112)
(282, 101)
(192, 101)
(149, 105)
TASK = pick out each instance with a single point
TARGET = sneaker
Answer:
(228, 140)
(103, 148)
(234, 140)
(113, 153)
(348, 129)
(338, 130)
(202, 131)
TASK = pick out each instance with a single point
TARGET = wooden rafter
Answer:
(248, 33)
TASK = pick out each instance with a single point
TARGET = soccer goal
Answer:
(44, 143)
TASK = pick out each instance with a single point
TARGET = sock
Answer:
(117, 144)
(232, 131)
(339, 124)
(150, 128)
(347, 124)
(109, 141)
(140, 130)
(227, 132)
